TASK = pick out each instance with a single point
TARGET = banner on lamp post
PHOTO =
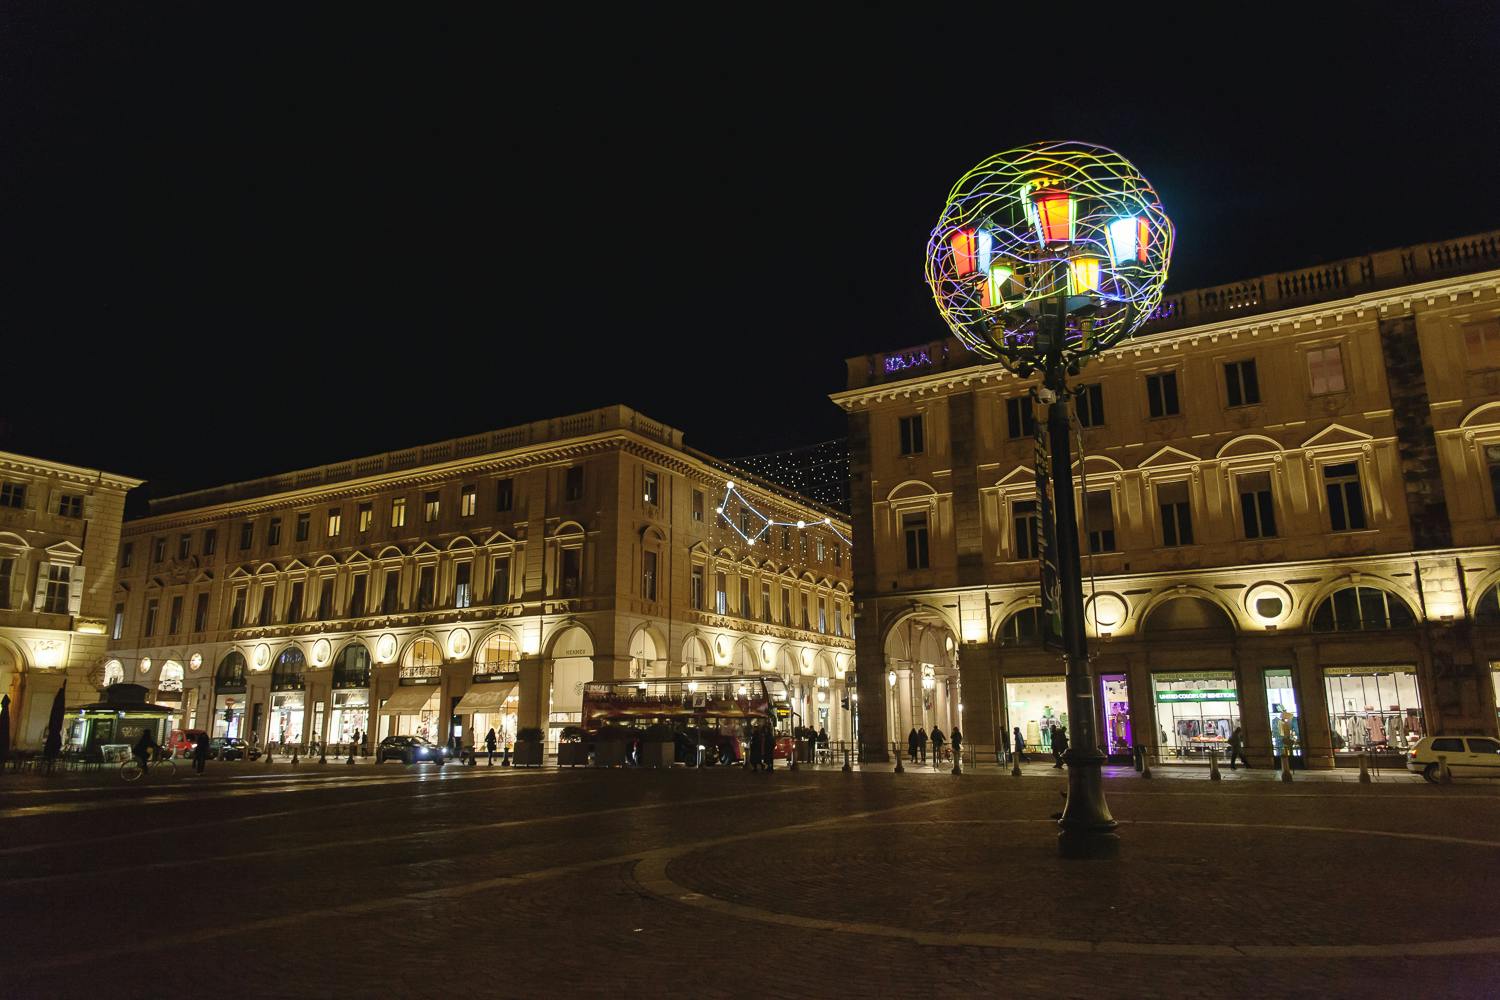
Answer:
(1046, 537)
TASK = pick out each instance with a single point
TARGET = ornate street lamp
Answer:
(1044, 256)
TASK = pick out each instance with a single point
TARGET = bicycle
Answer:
(131, 770)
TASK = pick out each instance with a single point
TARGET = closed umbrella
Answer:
(54, 727)
(4, 729)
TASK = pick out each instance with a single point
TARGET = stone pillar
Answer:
(1255, 718)
(536, 682)
(1416, 445)
(983, 720)
(1312, 708)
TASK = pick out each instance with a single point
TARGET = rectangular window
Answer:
(1346, 505)
(786, 539)
(267, 595)
(648, 575)
(822, 617)
(174, 617)
(721, 593)
(273, 531)
(786, 606)
(914, 530)
(325, 598)
(765, 601)
(237, 610)
(1176, 513)
(500, 581)
(366, 517)
(1325, 370)
(294, 606)
(819, 550)
(838, 618)
(912, 439)
(304, 526)
(838, 555)
(697, 505)
(158, 549)
(573, 484)
(1089, 404)
(1023, 523)
(462, 591)
(426, 587)
(572, 572)
(200, 614)
(151, 606)
(1241, 385)
(335, 522)
(468, 501)
(1101, 521)
(357, 595)
(1256, 507)
(56, 602)
(744, 608)
(390, 598)
(184, 546)
(505, 495)
(13, 495)
(696, 597)
(7, 574)
(119, 624)
(1020, 417)
(1161, 394)
(127, 554)
(650, 488)
(70, 505)
(398, 512)
(210, 541)
(1482, 342)
(807, 611)
(430, 505)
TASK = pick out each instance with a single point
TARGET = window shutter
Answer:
(40, 600)
(75, 590)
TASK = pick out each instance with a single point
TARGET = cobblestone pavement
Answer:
(340, 881)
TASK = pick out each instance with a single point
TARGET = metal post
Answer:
(847, 767)
(1086, 816)
(1213, 766)
(1286, 762)
(899, 768)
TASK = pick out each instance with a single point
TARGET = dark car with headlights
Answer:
(409, 750)
(231, 748)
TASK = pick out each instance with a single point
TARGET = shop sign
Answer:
(1198, 675)
(513, 675)
(1048, 679)
(1368, 671)
(1206, 694)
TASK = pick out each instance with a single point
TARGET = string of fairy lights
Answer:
(766, 521)
(818, 471)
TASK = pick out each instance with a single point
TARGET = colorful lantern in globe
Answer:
(1043, 221)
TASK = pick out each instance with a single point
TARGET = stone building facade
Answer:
(478, 583)
(1290, 493)
(59, 535)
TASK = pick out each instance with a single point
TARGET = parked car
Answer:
(409, 750)
(1468, 756)
(231, 748)
(181, 741)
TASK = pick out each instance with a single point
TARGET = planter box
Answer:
(572, 754)
(658, 754)
(805, 751)
(527, 754)
(609, 753)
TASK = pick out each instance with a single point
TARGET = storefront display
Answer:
(351, 714)
(1281, 703)
(1036, 704)
(1114, 690)
(1375, 709)
(229, 715)
(414, 711)
(1196, 713)
(286, 718)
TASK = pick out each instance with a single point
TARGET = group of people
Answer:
(1058, 737)
(762, 748)
(917, 740)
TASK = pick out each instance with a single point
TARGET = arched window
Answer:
(1487, 611)
(286, 673)
(352, 668)
(695, 659)
(1022, 628)
(423, 659)
(114, 673)
(231, 673)
(1361, 609)
(643, 658)
(498, 655)
(169, 681)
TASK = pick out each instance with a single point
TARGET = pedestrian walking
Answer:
(911, 744)
(489, 745)
(1019, 744)
(1059, 745)
(956, 738)
(938, 739)
(922, 744)
(200, 752)
(1237, 748)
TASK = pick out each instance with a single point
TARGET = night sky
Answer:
(244, 241)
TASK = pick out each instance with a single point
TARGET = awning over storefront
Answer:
(485, 697)
(408, 700)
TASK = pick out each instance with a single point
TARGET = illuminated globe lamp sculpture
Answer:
(1044, 256)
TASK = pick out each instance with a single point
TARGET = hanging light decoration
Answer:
(1054, 213)
(1083, 275)
(1129, 239)
(965, 252)
(992, 295)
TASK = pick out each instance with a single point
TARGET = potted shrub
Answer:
(572, 749)
(529, 747)
(609, 746)
(658, 746)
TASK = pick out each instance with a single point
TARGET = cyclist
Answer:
(145, 748)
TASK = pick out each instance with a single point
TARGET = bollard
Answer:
(899, 768)
(1140, 757)
(958, 762)
(505, 756)
(294, 756)
(847, 767)
(350, 761)
(269, 755)
(1145, 762)
(1364, 769)
(1213, 766)
(792, 758)
(1445, 776)
(322, 753)
(1286, 765)
(1015, 765)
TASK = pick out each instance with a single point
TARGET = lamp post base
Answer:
(1087, 828)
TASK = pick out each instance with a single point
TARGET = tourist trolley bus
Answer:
(716, 712)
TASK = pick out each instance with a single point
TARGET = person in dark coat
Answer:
(200, 752)
(754, 748)
(1059, 745)
(938, 739)
(911, 744)
(489, 745)
(1019, 744)
(922, 744)
(145, 748)
(768, 747)
(1237, 748)
(957, 739)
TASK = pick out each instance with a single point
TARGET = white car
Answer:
(1468, 756)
